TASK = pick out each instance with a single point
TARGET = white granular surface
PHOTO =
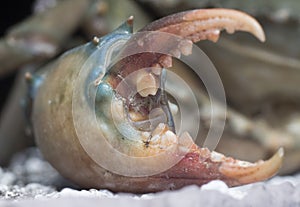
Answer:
(30, 181)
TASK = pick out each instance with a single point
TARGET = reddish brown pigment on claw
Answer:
(195, 25)
(201, 166)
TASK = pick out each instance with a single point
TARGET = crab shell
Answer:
(57, 138)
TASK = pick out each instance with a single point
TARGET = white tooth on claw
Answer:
(156, 69)
(186, 47)
(176, 53)
(146, 84)
(166, 60)
(145, 136)
(162, 137)
(168, 138)
(173, 108)
(216, 157)
(161, 128)
(185, 142)
(135, 116)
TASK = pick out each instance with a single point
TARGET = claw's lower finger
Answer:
(201, 166)
(245, 172)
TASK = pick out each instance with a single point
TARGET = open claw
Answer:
(199, 165)
(124, 137)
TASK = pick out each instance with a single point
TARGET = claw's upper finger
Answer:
(206, 24)
(194, 25)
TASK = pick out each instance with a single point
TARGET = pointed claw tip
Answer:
(280, 152)
(262, 38)
(259, 33)
(252, 26)
(254, 172)
(246, 23)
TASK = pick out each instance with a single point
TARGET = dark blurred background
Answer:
(11, 12)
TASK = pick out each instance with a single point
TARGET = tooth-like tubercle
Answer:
(146, 84)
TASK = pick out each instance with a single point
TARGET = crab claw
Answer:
(198, 165)
(201, 166)
(113, 128)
